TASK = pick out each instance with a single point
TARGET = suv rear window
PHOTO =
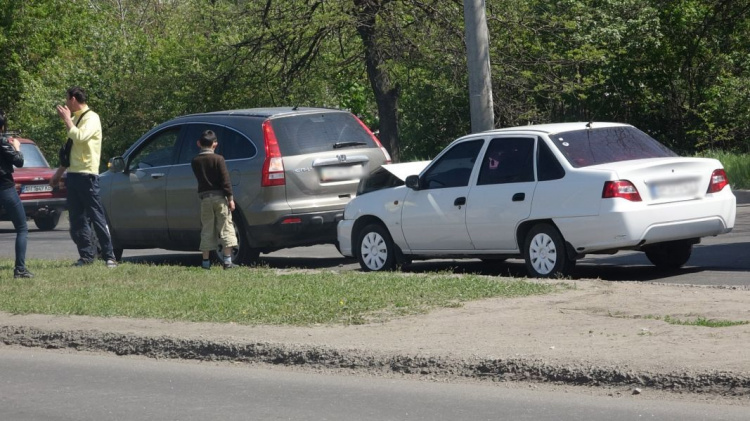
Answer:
(313, 133)
(583, 148)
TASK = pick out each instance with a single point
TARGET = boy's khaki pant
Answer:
(216, 222)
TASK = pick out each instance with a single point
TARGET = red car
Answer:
(40, 201)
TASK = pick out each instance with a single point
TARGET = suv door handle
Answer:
(519, 197)
(460, 201)
(157, 175)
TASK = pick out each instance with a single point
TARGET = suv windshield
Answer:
(326, 132)
(583, 148)
(32, 156)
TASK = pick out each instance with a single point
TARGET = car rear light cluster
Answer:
(719, 180)
(377, 142)
(273, 166)
(621, 188)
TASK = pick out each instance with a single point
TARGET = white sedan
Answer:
(548, 193)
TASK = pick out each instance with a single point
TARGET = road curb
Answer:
(743, 196)
(429, 367)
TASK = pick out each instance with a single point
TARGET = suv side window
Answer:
(548, 167)
(232, 144)
(157, 151)
(453, 169)
(508, 160)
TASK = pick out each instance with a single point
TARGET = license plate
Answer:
(36, 188)
(675, 190)
(352, 172)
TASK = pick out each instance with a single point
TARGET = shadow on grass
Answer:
(627, 266)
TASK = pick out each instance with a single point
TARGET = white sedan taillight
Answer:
(621, 188)
(719, 180)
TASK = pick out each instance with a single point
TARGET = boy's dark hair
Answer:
(207, 138)
(78, 93)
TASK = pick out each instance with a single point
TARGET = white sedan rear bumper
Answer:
(624, 224)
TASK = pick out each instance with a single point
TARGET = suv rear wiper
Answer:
(339, 145)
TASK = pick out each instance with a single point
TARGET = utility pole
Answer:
(478, 59)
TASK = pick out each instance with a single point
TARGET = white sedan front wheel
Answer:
(376, 251)
(545, 254)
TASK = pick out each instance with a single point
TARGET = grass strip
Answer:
(698, 321)
(245, 295)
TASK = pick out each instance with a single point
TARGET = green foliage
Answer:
(678, 70)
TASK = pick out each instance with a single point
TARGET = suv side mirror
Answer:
(117, 164)
(412, 182)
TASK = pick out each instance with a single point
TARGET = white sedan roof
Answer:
(557, 127)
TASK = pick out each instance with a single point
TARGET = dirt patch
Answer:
(594, 333)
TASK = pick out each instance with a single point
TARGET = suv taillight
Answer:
(621, 188)
(719, 180)
(375, 139)
(273, 166)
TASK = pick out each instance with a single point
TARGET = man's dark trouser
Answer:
(84, 205)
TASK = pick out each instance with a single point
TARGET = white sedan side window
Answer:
(453, 169)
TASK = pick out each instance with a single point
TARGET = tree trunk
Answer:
(386, 94)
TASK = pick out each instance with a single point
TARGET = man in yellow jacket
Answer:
(84, 203)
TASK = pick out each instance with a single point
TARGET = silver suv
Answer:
(293, 171)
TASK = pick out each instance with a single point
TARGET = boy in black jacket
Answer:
(217, 203)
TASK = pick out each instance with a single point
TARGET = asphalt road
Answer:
(48, 385)
(721, 260)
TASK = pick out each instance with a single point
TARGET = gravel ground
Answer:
(602, 334)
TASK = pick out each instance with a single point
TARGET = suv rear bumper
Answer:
(294, 230)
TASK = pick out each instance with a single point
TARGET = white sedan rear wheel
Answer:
(545, 253)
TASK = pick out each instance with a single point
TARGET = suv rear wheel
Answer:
(243, 254)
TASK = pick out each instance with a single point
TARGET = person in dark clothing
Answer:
(10, 155)
(217, 202)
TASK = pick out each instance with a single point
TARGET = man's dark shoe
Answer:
(81, 262)
(22, 273)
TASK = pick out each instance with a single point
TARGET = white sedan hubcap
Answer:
(374, 251)
(543, 253)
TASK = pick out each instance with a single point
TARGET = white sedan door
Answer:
(434, 217)
(502, 197)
